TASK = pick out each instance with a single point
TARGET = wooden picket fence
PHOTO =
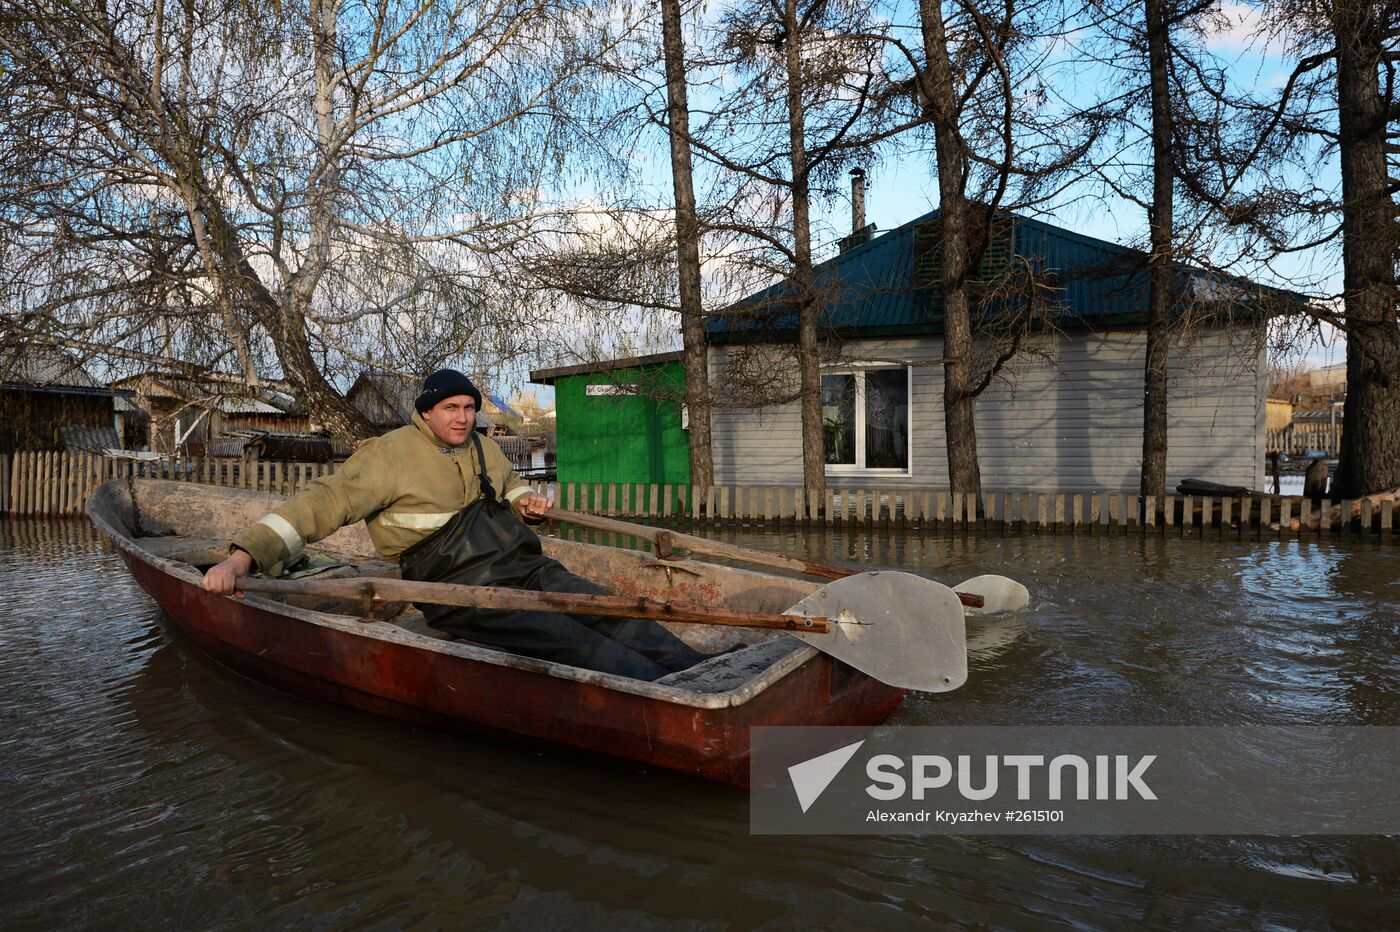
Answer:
(1000, 512)
(58, 484)
(52, 483)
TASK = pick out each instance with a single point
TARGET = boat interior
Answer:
(186, 527)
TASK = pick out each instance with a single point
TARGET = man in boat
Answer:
(444, 503)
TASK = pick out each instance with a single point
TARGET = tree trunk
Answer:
(954, 214)
(1159, 266)
(285, 325)
(1370, 454)
(697, 378)
(803, 280)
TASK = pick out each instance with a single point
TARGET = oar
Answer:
(665, 540)
(998, 594)
(901, 629)
(372, 590)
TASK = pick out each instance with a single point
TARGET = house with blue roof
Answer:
(1064, 414)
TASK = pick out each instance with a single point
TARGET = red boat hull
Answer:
(437, 689)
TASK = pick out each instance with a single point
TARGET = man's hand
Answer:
(532, 506)
(224, 577)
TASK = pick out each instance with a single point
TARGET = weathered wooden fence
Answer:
(47, 484)
(1298, 439)
(56, 483)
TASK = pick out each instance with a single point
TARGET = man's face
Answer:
(452, 419)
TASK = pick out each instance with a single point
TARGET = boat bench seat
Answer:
(734, 669)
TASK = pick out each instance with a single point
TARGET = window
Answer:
(865, 420)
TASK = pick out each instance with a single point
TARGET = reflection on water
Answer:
(146, 786)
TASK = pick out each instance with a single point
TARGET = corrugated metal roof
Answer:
(43, 366)
(248, 406)
(883, 285)
(550, 376)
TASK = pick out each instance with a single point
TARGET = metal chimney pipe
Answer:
(857, 200)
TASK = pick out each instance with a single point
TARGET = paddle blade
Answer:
(901, 629)
(1001, 594)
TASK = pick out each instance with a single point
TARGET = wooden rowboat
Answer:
(391, 664)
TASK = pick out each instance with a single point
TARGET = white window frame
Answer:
(858, 468)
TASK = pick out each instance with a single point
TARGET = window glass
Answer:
(839, 418)
(886, 419)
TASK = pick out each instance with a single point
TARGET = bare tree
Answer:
(1341, 101)
(810, 102)
(282, 191)
(978, 88)
(697, 378)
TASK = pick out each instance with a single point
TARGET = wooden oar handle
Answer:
(663, 539)
(372, 589)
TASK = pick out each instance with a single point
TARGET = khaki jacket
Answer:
(404, 485)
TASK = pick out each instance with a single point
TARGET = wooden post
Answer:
(1207, 511)
(1285, 515)
(56, 491)
(70, 482)
(5, 459)
(1344, 518)
(55, 495)
(1366, 505)
(1266, 507)
(1325, 524)
(65, 489)
(36, 483)
(50, 488)
(1387, 518)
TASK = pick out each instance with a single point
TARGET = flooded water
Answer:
(147, 787)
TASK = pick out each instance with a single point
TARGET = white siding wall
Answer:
(1069, 418)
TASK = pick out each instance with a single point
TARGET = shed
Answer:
(190, 414)
(621, 420)
(386, 399)
(1067, 412)
(47, 396)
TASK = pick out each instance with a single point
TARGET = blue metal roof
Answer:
(873, 288)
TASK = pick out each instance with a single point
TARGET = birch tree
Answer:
(284, 192)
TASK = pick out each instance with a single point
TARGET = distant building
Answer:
(613, 424)
(1066, 413)
(48, 401)
(1329, 380)
(386, 399)
(193, 417)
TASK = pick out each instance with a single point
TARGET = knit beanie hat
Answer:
(443, 384)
